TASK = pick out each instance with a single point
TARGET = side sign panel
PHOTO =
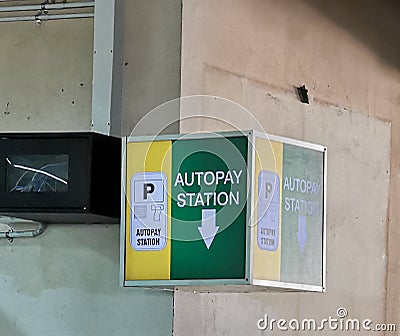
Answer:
(288, 231)
(302, 215)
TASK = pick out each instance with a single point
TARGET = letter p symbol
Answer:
(148, 188)
(268, 189)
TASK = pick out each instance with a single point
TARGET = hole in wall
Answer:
(302, 94)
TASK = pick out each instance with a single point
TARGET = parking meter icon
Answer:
(149, 211)
(268, 211)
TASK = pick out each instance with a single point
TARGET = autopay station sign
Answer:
(220, 209)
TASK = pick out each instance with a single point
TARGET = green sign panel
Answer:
(209, 206)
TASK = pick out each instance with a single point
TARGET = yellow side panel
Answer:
(269, 156)
(147, 157)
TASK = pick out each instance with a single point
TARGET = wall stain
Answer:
(6, 110)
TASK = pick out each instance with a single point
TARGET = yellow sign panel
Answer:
(267, 238)
(154, 265)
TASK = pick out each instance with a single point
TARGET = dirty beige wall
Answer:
(46, 76)
(152, 63)
(66, 281)
(254, 53)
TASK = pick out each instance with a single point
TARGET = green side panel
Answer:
(190, 258)
(302, 216)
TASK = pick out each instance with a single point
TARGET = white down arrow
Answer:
(208, 229)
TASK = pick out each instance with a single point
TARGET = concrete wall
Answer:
(152, 54)
(254, 53)
(35, 91)
(65, 282)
